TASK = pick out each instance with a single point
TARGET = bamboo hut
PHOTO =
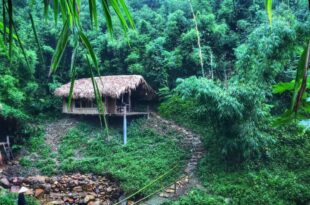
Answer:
(120, 93)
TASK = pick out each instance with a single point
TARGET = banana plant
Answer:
(300, 83)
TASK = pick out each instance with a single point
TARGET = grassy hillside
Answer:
(147, 155)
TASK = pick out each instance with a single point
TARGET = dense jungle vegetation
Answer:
(252, 157)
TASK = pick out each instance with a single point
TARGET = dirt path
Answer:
(53, 133)
(55, 130)
(188, 180)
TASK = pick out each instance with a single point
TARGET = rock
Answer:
(55, 203)
(47, 188)
(130, 202)
(78, 189)
(68, 199)
(55, 195)
(88, 187)
(89, 198)
(107, 202)
(15, 189)
(38, 179)
(29, 192)
(5, 182)
(94, 203)
(169, 190)
(38, 192)
(165, 195)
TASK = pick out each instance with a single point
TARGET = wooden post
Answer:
(148, 111)
(125, 126)
(129, 100)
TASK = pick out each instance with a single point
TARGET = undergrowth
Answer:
(8, 198)
(283, 178)
(147, 155)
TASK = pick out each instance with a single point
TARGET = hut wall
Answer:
(77, 110)
(110, 105)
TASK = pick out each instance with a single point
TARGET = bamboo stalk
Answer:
(198, 38)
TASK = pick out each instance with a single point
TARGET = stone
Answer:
(38, 192)
(165, 195)
(56, 203)
(29, 192)
(78, 189)
(169, 190)
(5, 182)
(89, 198)
(15, 189)
(47, 188)
(68, 199)
(38, 179)
(88, 187)
(130, 202)
(107, 202)
(55, 195)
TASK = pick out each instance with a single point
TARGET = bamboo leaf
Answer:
(107, 14)
(127, 13)
(4, 19)
(93, 12)
(268, 4)
(88, 46)
(10, 12)
(46, 4)
(98, 97)
(20, 45)
(37, 39)
(118, 12)
(4, 28)
(63, 8)
(73, 76)
(56, 10)
(60, 48)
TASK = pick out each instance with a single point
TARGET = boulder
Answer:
(38, 193)
(56, 203)
(5, 182)
(89, 198)
(15, 189)
(77, 189)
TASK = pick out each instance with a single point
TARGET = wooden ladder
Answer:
(7, 149)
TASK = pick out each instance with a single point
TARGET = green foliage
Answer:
(198, 197)
(7, 198)
(284, 179)
(147, 154)
(235, 116)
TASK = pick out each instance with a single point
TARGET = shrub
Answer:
(198, 197)
(7, 198)
(235, 115)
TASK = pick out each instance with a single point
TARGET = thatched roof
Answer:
(113, 86)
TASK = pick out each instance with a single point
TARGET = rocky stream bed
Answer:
(86, 189)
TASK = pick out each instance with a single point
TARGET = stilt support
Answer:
(125, 126)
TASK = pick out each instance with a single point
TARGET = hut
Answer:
(120, 93)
